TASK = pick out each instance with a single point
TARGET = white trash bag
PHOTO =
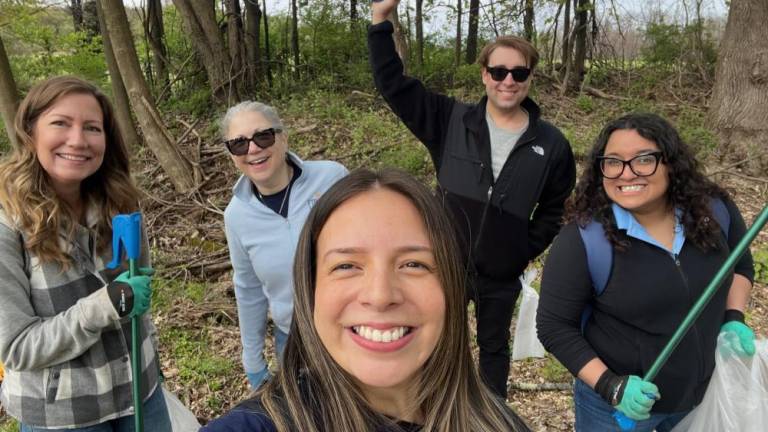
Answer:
(737, 395)
(182, 419)
(526, 343)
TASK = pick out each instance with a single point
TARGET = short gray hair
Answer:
(269, 113)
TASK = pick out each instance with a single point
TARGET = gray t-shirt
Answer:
(502, 143)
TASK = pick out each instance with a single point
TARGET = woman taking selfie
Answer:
(65, 320)
(379, 340)
(667, 229)
(263, 220)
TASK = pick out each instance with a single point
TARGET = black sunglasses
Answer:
(499, 73)
(263, 138)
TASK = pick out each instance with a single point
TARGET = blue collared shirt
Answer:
(626, 221)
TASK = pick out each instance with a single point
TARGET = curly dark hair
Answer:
(689, 190)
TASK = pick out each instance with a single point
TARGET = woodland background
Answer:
(172, 68)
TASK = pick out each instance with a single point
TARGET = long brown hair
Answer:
(27, 195)
(449, 391)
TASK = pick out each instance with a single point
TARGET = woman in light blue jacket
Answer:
(270, 203)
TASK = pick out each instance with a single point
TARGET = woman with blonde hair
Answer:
(64, 318)
(379, 339)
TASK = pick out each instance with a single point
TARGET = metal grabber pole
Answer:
(126, 232)
(626, 423)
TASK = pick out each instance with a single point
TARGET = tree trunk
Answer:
(9, 95)
(528, 20)
(119, 95)
(580, 48)
(419, 33)
(739, 105)
(474, 14)
(457, 46)
(199, 19)
(352, 14)
(565, 58)
(267, 55)
(401, 46)
(295, 39)
(236, 43)
(76, 7)
(176, 166)
(252, 40)
(155, 35)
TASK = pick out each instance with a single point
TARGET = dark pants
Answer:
(494, 304)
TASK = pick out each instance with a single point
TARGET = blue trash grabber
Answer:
(126, 232)
(626, 423)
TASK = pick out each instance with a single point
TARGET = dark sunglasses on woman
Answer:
(499, 73)
(263, 138)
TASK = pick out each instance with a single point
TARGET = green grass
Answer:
(7, 424)
(198, 365)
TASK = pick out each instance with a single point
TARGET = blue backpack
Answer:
(600, 252)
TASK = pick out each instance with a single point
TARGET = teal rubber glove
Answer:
(638, 398)
(141, 285)
(739, 339)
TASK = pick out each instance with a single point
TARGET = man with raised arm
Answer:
(503, 172)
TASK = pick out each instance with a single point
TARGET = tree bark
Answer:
(236, 43)
(418, 21)
(252, 41)
(565, 58)
(155, 34)
(176, 166)
(739, 105)
(199, 19)
(352, 14)
(474, 15)
(528, 20)
(119, 95)
(401, 45)
(76, 7)
(267, 55)
(457, 46)
(295, 39)
(580, 49)
(9, 95)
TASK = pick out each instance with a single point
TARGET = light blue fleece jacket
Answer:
(262, 245)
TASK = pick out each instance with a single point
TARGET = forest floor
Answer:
(194, 304)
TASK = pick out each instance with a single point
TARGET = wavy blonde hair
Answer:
(27, 196)
(449, 391)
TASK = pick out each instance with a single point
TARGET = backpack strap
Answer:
(721, 215)
(599, 260)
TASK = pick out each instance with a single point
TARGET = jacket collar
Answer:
(474, 118)
(242, 188)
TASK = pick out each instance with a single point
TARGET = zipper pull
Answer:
(490, 192)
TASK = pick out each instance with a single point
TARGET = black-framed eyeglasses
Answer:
(643, 165)
(263, 138)
(499, 73)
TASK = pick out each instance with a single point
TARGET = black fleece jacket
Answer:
(648, 294)
(503, 224)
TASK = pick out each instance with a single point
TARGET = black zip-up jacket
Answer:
(648, 294)
(502, 224)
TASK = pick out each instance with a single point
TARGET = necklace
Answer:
(285, 197)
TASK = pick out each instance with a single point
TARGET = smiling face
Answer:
(379, 305)
(630, 191)
(69, 141)
(507, 94)
(267, 168)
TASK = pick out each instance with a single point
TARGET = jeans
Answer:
(155, 414)
(494, 305)
(256, 379)
(593, 414)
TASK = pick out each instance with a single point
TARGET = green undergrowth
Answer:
(7, 424)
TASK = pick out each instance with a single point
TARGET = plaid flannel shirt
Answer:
(66, 350)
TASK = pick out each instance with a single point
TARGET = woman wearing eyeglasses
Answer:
(263, 220)
(668, 229)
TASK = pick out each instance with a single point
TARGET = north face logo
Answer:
(538, 150)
